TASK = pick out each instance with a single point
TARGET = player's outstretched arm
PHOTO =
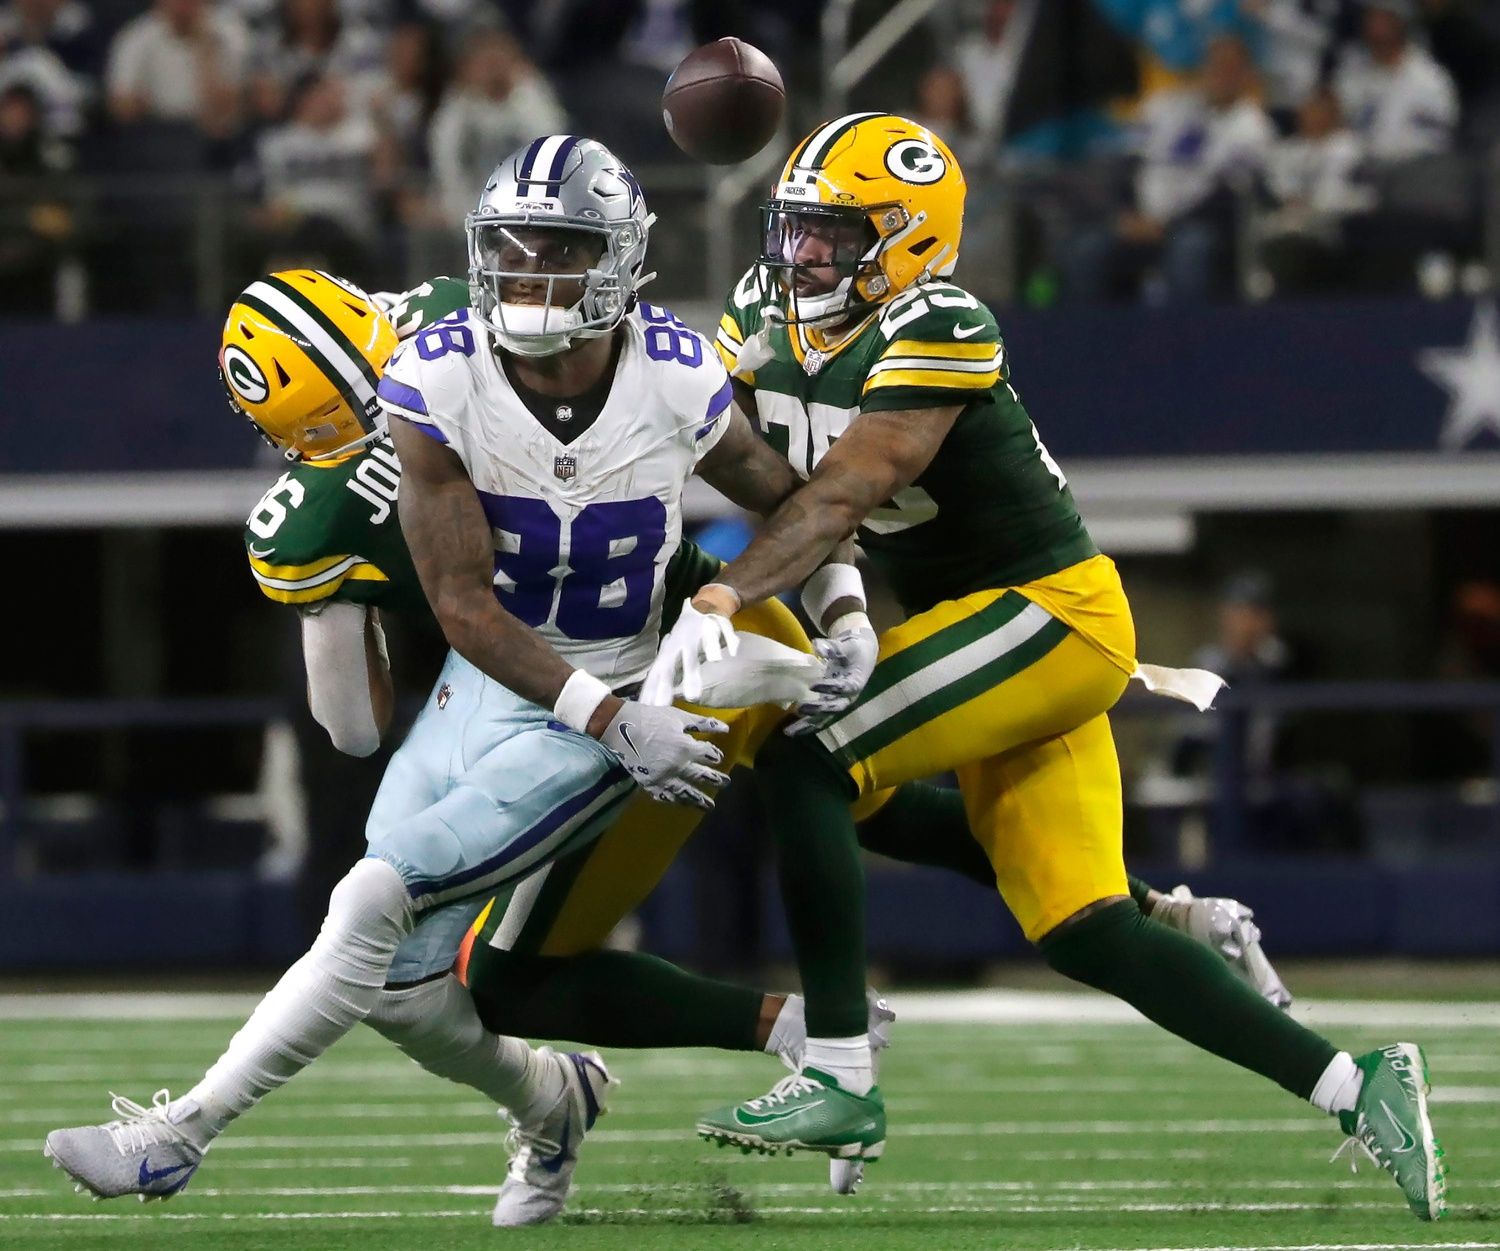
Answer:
(881, 453)
(453, 551)
(743, 468)
(349, 686)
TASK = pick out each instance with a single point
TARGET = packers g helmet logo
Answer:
(915, 161)
(245, 376)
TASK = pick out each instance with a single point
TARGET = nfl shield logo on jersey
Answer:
(445, 693)
(565, 468)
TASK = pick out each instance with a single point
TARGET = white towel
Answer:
(1192, 686)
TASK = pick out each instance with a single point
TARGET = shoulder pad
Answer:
(941, 311)
(435, 299)
(429, 374)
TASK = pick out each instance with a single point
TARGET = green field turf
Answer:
(1048, 1122)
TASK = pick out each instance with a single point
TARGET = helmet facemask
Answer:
(540, 284)
(824, 259)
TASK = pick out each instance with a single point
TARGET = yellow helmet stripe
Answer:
(294, 332)
(815, 151)
(326, 346)
(342, 341)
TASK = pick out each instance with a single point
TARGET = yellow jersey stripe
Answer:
(292, 573)
(938, 380)
(729, 326)
(947, 351)
(887, 363)
(329, 573)
(366, 573)
(310, 596)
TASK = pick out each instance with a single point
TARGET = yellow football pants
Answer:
(1006, 694)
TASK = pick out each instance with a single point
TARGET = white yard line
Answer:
(979, 1007)
(836, 1209)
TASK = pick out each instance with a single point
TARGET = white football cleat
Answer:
(144, 1153)
(545, 1152)
(1227, 927)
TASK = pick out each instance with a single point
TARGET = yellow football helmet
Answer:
(301, 355)
(884, 199)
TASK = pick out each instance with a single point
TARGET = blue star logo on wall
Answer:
(1471, 376)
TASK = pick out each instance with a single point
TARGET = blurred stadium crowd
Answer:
(1121, 149)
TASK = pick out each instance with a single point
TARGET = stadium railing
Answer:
(1386, 896)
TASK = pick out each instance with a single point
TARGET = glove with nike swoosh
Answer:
(657, 750)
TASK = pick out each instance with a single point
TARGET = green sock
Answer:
(1187, 989)
(822, 880)
(927, 824)
(1139, 890)
(610, 999)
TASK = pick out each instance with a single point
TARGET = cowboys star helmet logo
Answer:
(565, 468)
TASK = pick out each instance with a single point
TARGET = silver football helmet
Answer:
(559, 216)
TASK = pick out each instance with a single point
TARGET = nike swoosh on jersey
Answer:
(963, 332)
(261, 555)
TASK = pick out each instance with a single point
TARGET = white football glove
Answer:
(697, 636)
(655, 746)
(849, 655)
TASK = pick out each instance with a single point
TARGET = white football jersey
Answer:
(583, 531)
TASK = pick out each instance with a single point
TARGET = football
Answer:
(724, 102)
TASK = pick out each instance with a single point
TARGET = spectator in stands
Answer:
(36, 219)
(1297, 38)
(311, 37)
(1200, 146)
(1174, 36)
(50, 45)
(1464, 36)
(184, 61)
(1247, 652)
(1399, 100)
(405, 93)
(942, 105)
(497, 101)
(65, 28)
(324, 172)
(1313, 176)
(989, 64)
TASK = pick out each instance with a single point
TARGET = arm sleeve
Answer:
(941, 349)
(338, 681)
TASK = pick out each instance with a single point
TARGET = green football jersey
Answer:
(993, 508)
(330, 532)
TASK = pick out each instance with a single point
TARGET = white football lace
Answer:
(140, 1127)
(786, 1088)
(1349, 1144)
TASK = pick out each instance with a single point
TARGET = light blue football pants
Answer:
(486, 788)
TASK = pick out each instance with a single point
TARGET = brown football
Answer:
(723, 103)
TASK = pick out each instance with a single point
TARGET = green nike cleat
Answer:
(804, 1112)
(1390, 1124)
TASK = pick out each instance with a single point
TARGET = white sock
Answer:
(1338, 1089)
(788, 1037)
(436, 1025)
(846, 1060)
(317, 1001)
